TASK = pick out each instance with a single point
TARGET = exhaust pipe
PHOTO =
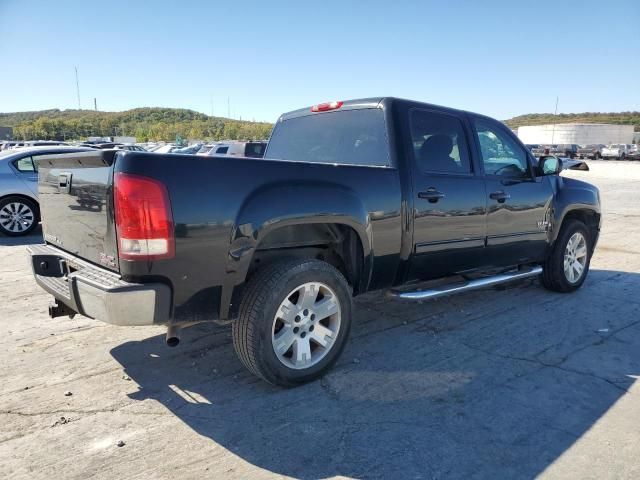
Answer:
(173, 336)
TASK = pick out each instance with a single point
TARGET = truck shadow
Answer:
(31, 239)
(462, 387)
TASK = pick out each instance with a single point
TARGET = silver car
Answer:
(19, 212)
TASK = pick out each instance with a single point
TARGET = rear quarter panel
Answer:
(224, 206)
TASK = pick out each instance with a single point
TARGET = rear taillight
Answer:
(144, 222)
(323, 107)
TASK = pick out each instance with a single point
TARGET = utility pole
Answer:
(78, 88)
(211, 98)
(555, 113)
(228, 108)
(95, 104)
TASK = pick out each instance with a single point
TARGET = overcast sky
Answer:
(501, 58)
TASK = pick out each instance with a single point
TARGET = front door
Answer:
(519, 203)
(449, 203)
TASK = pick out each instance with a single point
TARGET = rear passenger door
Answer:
(519, 203)
(27, 172)
(449, 197)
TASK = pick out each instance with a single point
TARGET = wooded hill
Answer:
(617, 118)
(143, 123)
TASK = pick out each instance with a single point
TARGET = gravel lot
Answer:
(507, 383)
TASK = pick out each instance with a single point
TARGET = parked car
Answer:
(633, 153)
(531, 146)
(239, 149)
(190, 150)
(40, 143)
(165, 148)
(205, 149)
(567, 150)
(9, 144)
(617, 151)
(19, 207)
(130, 147)
(542, 150)
(592, 151)
(373, 194)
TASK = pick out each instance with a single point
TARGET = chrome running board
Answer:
(467, 286)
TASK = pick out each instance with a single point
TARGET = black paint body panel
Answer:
(224, 206)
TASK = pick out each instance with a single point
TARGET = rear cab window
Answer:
(345, 137)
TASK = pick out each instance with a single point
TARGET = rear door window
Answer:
(222, 150)
(438, 143)
(348, 137)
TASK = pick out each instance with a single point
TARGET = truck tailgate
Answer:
(75, 205)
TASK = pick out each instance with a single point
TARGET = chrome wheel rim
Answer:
(575, 257)
(306, 325)
(16, 217)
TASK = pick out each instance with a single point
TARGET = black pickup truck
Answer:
(379, 194)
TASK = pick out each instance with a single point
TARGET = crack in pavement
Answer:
(558, 365)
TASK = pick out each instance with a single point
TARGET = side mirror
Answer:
(549, 165)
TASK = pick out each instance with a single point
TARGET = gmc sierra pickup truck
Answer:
(379, 194)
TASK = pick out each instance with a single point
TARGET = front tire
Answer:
(18, 216)
(294, 321)
(566, 268)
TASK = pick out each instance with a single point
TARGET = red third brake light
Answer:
(323, 107)
(144, 222)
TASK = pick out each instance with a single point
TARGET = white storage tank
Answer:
(580, 133)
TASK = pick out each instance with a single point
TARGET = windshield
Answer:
(615, 145)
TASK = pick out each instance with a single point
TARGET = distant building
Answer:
(6, 133)
(580, 133)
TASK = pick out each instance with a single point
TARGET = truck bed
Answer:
(218, 212)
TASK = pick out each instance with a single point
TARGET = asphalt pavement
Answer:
(511, 383)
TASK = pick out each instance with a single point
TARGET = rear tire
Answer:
(288, 311)
(18, 216)
(565, 270)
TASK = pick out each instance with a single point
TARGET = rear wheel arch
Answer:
(338, 244)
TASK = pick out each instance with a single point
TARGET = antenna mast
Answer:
(78, 88)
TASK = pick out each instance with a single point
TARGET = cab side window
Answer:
(24, 164)
(501, 154)
(439, 144)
